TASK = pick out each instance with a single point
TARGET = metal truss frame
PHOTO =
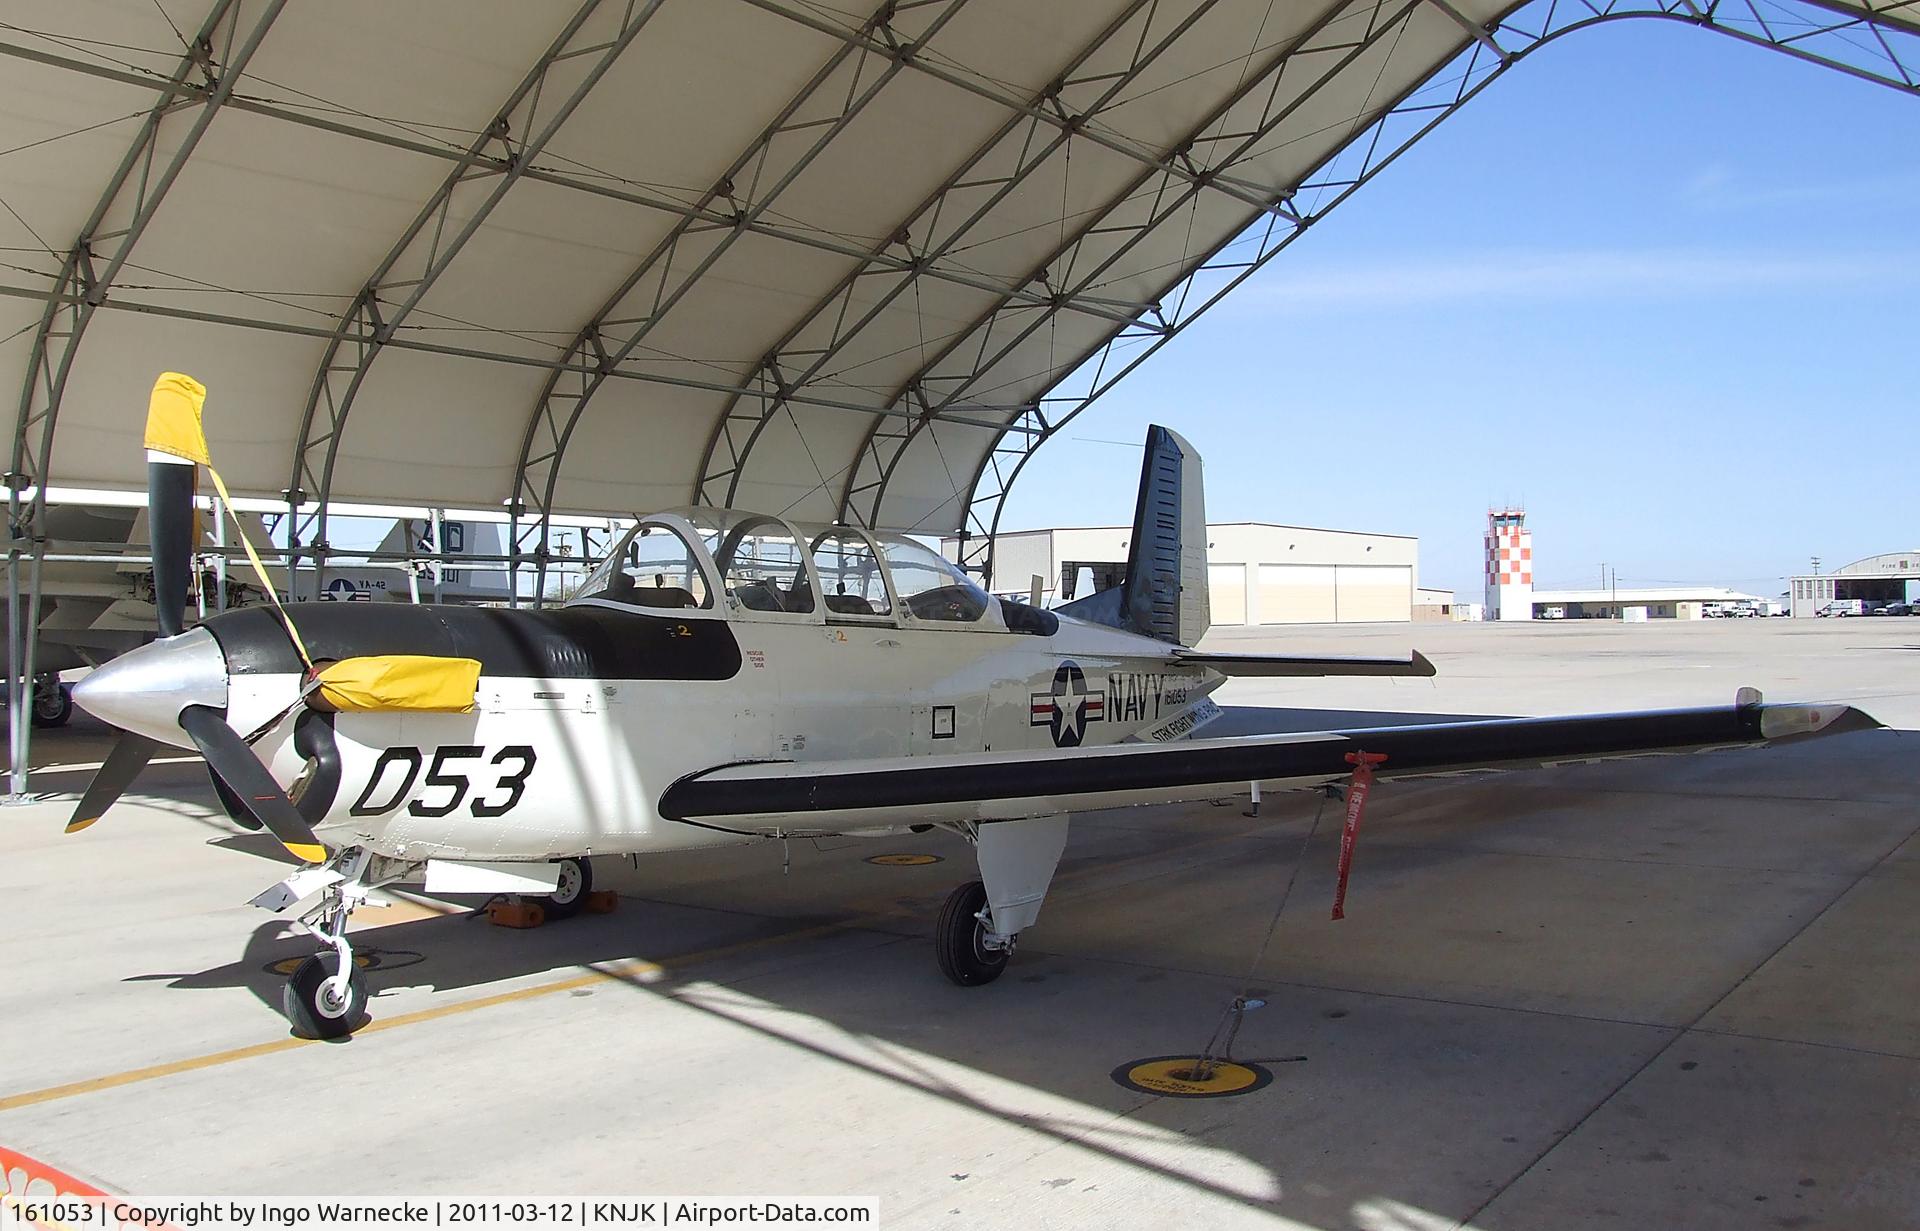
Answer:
(608, 187)
(216, 56)
(769, 385)
(400, 341)
(1041, 109)
(1320, 53)
(493, 164)
(140, 184)
(667, 273)
(1881, 46)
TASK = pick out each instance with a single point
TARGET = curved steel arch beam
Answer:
(734, 436)
(655, 286)
(1330, 49)
(88, 271)
(610, 188)
(1896, 65)
(981, 88)
(424, 252)
(85, 279)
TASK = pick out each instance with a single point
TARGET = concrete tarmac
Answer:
(1674, 991)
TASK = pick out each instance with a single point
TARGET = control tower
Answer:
(1509, 565)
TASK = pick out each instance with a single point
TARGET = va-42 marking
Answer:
(446, 785)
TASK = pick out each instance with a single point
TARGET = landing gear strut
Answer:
(982, 919)
(326, 997)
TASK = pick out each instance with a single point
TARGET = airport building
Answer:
(1652, 602)
(1893, 577)
(1257, 572)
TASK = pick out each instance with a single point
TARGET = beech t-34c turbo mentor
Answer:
(726, 677)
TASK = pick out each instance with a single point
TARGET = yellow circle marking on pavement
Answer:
(903, 861)
(287, 965)
(1175, 1077)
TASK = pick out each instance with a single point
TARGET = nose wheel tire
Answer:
(570, 894)
(313, 1005)
(960, 939)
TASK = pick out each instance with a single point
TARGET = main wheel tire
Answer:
(52, 706)
(576, 882)
(959, 939)
(311, 1007)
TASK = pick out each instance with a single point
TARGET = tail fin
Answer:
(1165, 593)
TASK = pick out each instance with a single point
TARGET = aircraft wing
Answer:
(1417, 665)
(825, 797)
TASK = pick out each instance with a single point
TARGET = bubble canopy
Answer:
(757, 565)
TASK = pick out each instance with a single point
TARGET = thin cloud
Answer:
(1568, 276)
(1717, 188)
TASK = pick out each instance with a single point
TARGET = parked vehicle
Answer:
(1844, 607)
(1899, 609)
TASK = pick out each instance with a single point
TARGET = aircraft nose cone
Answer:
(144, 690)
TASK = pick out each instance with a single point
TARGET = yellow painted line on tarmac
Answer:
(629, 971)
(88, 767)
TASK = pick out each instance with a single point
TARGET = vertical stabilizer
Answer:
(1165, 593)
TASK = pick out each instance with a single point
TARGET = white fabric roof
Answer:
(746, 241)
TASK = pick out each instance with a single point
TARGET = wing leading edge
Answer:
(827, 797)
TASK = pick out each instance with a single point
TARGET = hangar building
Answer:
(1257, 572)
(1886, 578)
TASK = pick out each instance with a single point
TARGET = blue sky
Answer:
(1654, 284)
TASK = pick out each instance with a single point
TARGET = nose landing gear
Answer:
(326, 996)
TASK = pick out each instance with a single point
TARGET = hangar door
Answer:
(1227, 593)
(1297, 593)
(1374, 592)
(1326, 593)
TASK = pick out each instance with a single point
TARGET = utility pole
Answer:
(1816, 566)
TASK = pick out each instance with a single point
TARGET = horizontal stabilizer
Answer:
(1303, 665)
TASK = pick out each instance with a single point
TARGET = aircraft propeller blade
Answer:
(129, 756)
(228, 756)
(170, 527)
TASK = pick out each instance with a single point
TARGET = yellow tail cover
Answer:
(401, 682)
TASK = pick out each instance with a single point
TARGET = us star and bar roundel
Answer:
(1068, 707)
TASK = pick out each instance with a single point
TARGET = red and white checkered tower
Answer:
(1509, 565)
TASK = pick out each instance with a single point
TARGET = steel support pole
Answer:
(18, 703)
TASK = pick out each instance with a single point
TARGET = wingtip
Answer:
(1779, 723)
(1423, 666)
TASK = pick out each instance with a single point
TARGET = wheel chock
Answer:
(515, 912)
(601, 902)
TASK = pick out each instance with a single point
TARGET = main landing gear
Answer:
(570, 890)
(52, 701)
(981, 920)
(971, 952)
